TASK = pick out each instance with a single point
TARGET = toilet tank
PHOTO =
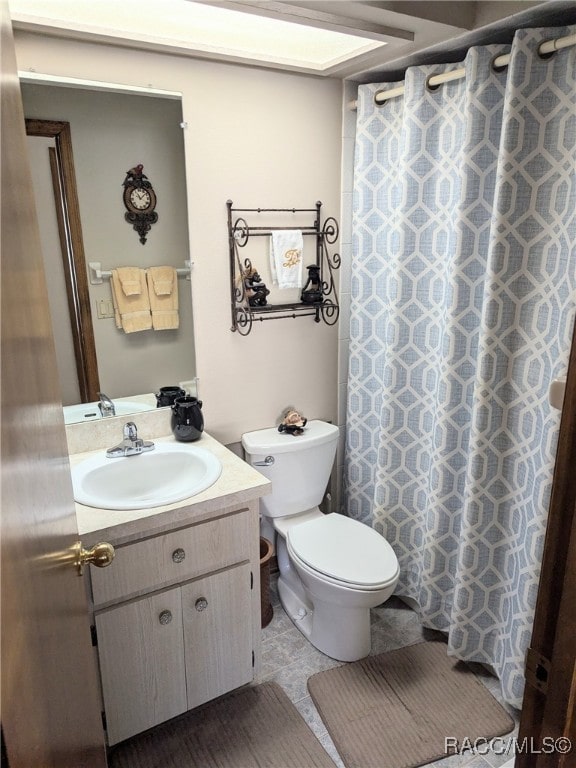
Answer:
(300, 469)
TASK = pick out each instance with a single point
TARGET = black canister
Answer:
(187, 420)
(167, 396)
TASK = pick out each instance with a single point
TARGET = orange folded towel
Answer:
(130, 280)
(163, 297)
(132, 312)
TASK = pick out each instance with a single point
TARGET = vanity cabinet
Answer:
(177, 620)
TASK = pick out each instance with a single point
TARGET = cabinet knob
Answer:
(201, 604)
(165, 617)
(178, 555)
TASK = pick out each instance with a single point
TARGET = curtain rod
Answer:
(544, 49)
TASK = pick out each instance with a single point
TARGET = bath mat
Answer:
(396, 709)
(256, 727)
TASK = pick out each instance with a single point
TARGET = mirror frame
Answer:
(72, 248)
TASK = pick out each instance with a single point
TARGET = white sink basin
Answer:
(90, 411)
(167, 474)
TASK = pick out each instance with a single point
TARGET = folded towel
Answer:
(164, 280)
(163, 297)
(130, 280)
(132, 312)
(117, 318)
(286, 258)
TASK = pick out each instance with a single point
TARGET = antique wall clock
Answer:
(140, 201)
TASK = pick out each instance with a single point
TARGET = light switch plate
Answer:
(104, 309)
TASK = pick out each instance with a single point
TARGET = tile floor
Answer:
(289, 659)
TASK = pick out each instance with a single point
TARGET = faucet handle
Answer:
(106, 405)
(130, 431)
(131, 445)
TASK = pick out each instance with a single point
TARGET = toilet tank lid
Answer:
(263, 441)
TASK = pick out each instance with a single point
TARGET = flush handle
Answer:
(268, 461)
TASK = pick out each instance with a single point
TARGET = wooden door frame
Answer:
(548, 710)
(72, 247)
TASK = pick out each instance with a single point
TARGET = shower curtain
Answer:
(462, 311)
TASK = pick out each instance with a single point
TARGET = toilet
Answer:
(333, 569)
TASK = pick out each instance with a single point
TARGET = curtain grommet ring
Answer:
(378, 98)
(545, 55)
(430, 86)
(498, 68)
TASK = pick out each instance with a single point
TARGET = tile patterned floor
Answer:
(289, 659)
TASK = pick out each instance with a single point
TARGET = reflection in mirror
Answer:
(110, 134)
(121, 406)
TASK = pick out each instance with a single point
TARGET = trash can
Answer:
(266, 610)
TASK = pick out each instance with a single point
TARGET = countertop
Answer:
(238, 484)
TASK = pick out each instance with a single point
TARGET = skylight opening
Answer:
(198, 28)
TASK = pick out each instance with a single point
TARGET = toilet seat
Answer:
(343, 551)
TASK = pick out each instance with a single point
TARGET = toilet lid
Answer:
(345, 550)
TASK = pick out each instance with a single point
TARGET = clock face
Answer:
(140, 199)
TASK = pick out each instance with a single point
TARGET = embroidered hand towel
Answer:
(134, 310)
(163, 302)
(286, 258)
(130, 280)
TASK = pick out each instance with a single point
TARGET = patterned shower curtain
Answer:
(463, 299)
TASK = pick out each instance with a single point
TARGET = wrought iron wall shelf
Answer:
(326, 309)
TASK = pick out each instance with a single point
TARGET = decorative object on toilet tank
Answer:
(140, 201)
(292, 422)
(187, 421)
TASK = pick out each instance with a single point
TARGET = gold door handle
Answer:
(100, 555)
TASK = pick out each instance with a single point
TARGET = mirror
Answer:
(110, 133)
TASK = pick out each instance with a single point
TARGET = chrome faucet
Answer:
(106, 405)
(131, 443)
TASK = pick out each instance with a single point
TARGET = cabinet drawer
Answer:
(174, 557)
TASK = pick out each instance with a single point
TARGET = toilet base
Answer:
(292, 599)
(343, 635)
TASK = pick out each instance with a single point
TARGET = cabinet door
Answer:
(142, 663)
(217, 614)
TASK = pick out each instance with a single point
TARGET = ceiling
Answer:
(361, 40)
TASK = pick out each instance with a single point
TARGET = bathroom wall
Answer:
(263, 139)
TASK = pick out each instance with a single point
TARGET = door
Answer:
(54, 180)
(50, 703)
(548, 709)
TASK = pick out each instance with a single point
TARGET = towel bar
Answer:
(98, 275)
